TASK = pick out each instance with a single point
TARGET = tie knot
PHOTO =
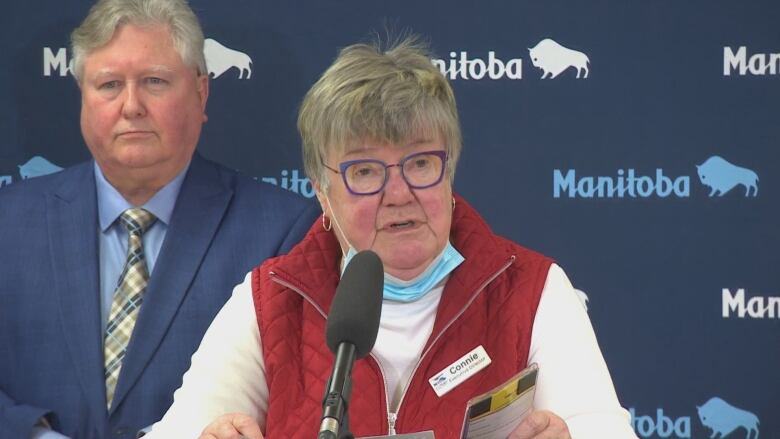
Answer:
(137, 220)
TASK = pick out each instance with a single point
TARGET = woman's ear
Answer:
(318, 191)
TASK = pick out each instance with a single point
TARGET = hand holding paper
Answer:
(542, 424)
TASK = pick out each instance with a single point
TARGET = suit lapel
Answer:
(201, 204)
(71, 217)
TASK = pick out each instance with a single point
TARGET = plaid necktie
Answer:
(127, 297)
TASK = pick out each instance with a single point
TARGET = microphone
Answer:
(351, 332)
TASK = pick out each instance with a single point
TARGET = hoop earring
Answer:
(453, 204)
(326, 227)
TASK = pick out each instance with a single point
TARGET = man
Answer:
(113, 269)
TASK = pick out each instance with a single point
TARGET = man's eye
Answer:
(155, 81)
(109, 85)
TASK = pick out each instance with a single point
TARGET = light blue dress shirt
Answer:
(113, 236)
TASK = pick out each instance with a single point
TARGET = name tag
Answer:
(459, 371)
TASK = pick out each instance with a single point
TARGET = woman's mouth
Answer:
(401, 225)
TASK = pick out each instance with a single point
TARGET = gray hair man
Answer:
(127, 257)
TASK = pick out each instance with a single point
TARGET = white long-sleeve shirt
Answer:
(228, 373)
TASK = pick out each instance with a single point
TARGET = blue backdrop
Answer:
(652, 178)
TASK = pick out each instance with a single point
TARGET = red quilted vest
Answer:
(489, 300)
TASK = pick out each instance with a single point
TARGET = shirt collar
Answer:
(111, 203)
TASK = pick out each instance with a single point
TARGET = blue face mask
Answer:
(413, 289)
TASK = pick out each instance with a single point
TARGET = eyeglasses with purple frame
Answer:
(442, 155)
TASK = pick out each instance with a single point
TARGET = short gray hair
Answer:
(370, 94)
(106, 16)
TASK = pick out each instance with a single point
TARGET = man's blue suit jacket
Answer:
(51, 349)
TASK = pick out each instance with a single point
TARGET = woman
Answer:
(381, 141)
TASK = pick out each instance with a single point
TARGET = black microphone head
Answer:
(357, 306)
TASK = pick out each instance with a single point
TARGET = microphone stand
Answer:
(336, 400)
(345, 433)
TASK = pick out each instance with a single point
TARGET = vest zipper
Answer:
(393, 416)
(391, 422)
(444, 329)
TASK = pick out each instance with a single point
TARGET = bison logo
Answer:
(722, 176)
(36, 167)
(220, 59)
(439, 380)
(553, 59)
(723, 418)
